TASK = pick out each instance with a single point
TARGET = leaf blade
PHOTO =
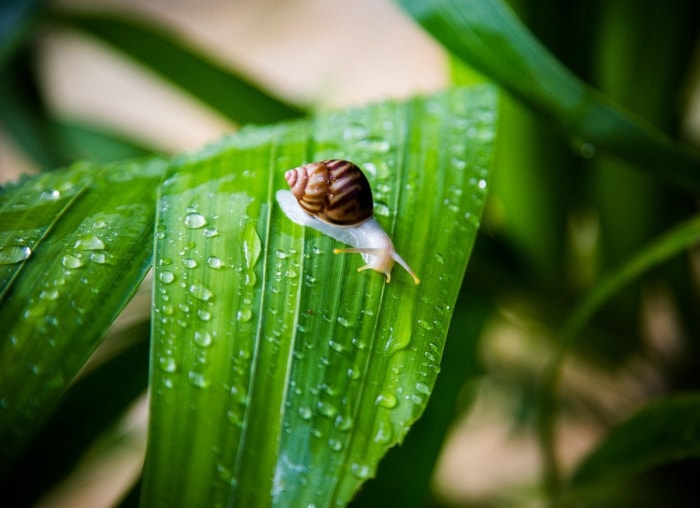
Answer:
(488, 36)
(224, 91)
(70, 290)
(311, 371)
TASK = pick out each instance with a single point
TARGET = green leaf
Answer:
(72, 286)
(224, 91)
(27, 211)
(280, 375)
(664, 248)
(488, 36)
(405, 473)
(661, 433)
(672, 243)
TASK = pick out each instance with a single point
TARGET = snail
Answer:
(335, 198)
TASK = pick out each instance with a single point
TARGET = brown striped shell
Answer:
(334, 191)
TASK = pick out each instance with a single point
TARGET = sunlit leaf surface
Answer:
(279, 373)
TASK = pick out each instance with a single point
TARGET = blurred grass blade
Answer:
(24, 116)
(71, 288)
(668, 246)
(282, 373)
(88, 142)
(228, 93)
(664, 248)
(488, 36)
(661, 433)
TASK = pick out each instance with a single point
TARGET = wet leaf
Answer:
(281, 375)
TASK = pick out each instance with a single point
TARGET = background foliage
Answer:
(577, 321)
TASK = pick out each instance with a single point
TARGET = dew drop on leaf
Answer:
(195, 220)
(202, 338)
(197, 379)
(200, 292)
(214, 262)
(12, 254)
(166, 277)
(244, 315)
(71, 262)
(167, 364)
(386, 400)
(305, 413)
(361, 471)
(335, 445)
(89, 242)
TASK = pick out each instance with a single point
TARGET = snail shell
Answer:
(334, 191)
(335, 197)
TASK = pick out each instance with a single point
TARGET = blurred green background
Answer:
(561, 215)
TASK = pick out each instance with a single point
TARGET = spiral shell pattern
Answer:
(334, 191)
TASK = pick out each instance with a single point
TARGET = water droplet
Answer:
(210, 232)
(375, 144)
(305, 413)
(280, 254)
(195, 220)
(189, 263)
(361, 471)
(381, 209)
(167, 364)
(200, 292)
(336, 346)
(214, 262)
(197, 379)
(353, 373)
(50, 195)
(423, 388)
(99, 258)
(89, 242)
(326, 409)
(244, 315)
(49, 294)
(71, 262)
(166, 277)
(203, 339)
(203, 315)
(397, 342)
(424, 324)
(335, 444)
(384, 433)
(11, 254)
(386, 400)
(252, 248)
(344, 322)
(343, 423)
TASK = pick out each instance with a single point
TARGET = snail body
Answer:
(335, 198)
